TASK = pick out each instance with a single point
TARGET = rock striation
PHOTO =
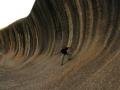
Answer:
(28, 47)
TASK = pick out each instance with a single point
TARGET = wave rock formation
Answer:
(28, 47)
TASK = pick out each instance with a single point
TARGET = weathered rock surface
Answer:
(28, 47)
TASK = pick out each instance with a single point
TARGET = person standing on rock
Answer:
(65, 52)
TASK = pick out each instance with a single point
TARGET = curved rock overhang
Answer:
(90, 27)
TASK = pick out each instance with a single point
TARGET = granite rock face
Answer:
(28, 47)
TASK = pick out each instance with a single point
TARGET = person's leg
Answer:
(69, 57)
(62, 59)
